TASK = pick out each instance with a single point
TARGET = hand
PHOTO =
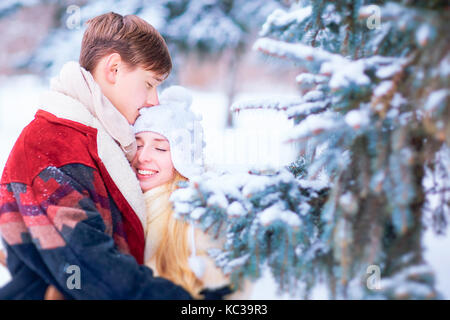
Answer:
(53, 294)
(216, 294)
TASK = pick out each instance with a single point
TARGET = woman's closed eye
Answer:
(161, 149)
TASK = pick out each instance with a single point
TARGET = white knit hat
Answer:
(174, 120)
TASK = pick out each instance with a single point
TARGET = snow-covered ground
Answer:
(256, 140)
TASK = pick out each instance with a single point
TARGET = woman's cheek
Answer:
(170, 167)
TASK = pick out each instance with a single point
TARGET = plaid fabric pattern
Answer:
(66, 217)
(46, 212)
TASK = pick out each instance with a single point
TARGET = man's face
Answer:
(153, 162)
(133, 90)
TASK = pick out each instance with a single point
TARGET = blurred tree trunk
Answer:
(231, 87)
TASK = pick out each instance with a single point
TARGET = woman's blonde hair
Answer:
(172, 254)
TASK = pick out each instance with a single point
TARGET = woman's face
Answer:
(153, 162)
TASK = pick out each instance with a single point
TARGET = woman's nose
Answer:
(145, 155)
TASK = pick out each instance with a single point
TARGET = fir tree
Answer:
(373, 113)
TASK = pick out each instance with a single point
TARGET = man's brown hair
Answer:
(138, 43)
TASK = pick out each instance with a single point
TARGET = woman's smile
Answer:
(146, 173)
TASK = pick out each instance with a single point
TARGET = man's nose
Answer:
(152, 98)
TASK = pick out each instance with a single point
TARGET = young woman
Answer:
(170, 149)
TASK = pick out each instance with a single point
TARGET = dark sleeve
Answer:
(82, 258)
(25, 284)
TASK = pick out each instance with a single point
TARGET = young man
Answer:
(71, 210)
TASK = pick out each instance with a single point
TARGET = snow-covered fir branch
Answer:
(264, 218)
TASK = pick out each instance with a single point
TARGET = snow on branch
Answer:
(307, 108)
(310, 78)
(315, 124)
(437, 98)
(312, 102)
(277, 212)
(275, 103)
(295, 51)
(408, 283)
(341, 70)
(280, 19)
(403, 17)
(390, 11)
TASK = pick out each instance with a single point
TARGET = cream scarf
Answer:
(74, 81)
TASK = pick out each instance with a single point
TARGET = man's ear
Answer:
(112, 65)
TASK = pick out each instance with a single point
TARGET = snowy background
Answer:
(256, 140)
